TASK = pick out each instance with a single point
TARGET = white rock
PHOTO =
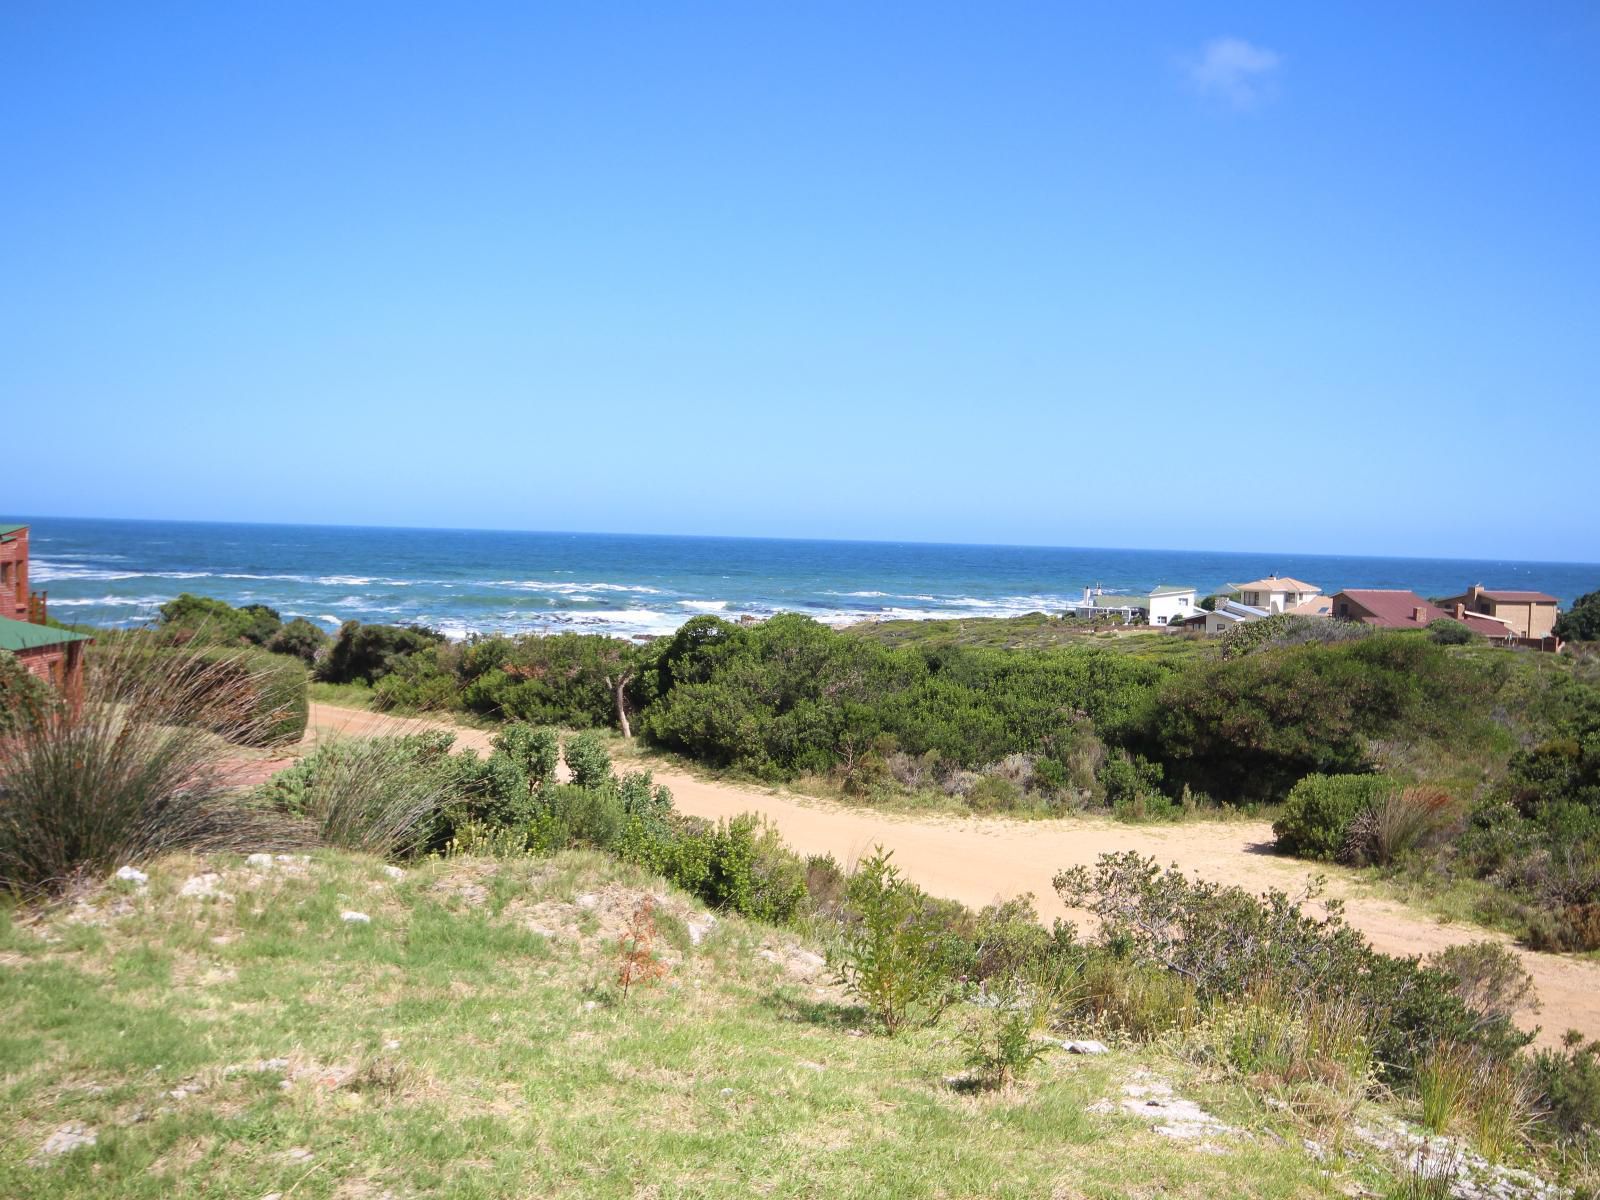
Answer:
(68, 1138)
(394, 872)
(699, 929)
(1087, 1046)
(132, 875)
(262, 862)
(201, 885)
(588, 900)
(727, 1091)
(355, 918)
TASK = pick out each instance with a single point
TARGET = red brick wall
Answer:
(14, 598)
(39, 660)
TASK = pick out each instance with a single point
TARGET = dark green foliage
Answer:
(299, 638)
(1581, 622)
(1251, 727)
(536, 751)
(567, 679)
(214, 620)
(25, 700)
(790, 695)
(587, 759)
(1133, 787)
(366, 653)
(1447, 632)
(1317, 816)
(416, 682)
(1569, 1084)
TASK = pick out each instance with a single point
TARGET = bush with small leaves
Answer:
(1316, 818)
(300, 639)
(534, 749)
(587, 759)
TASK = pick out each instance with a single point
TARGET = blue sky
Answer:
(1290, 277)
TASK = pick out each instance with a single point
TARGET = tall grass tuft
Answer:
(138, 766)
(381, 796)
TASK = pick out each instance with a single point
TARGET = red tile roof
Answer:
(1390, 609)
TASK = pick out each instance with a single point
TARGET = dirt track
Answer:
(976, 860)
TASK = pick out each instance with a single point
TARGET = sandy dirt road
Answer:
(978, 860)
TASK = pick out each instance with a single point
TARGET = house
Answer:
(1275, 593)
(1387, 608)
(54, 655)
(1529, 614)
(1229, 613)
(1096, 603)
(1318, 606)
(1168, 605)
(16, 601)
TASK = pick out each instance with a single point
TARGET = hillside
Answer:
(235, 1026)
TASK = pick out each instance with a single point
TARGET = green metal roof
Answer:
(1170, 591)
(7, 530)
(20, 635)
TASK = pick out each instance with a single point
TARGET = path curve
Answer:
(978, 860)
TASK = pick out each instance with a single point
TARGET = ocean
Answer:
(117, 573)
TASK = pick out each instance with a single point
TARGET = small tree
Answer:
(588, 760)
(300, 638)
(1581, 623)
(892, 956)
(535, 750)
(636, 950)
(1449, 632)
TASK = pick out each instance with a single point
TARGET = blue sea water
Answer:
(112, 572)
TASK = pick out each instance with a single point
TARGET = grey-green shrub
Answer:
(1317, 816)
(535, 749)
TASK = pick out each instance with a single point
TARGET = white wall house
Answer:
(1230, 613)
(1275, 593)
(1096, 603)
(1169, 604)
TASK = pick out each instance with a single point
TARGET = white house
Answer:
(1096, 603)
(1169, 604)
(1230, 613)
(1275, 593)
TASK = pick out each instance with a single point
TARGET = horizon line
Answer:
(819, 540)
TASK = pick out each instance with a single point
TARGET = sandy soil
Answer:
(978, 860)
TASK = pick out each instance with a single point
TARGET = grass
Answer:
(345, 695)
(1036, 631)
(470, 1041)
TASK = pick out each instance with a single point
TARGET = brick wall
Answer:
(14, 570)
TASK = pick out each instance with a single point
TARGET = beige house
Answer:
(1275, 593)
(1528, 614)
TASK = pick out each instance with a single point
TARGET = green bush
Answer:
(536, 751)
(587, 759)
(1133, 787)
(279, 701)
(1318, 815)
(1448, 632)
(895, 956)
(751, 871)
(25, 700)
(1568, 1081)
(1581, 622)
(366, 653)
(212, 620)
(299, 638)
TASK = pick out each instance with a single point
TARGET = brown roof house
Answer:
(1275, 594)
(1529, 614)
(1389, 608)
(54, 655)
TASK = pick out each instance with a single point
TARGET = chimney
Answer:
(1461, 610)
(1416, 615)
(1475, 591)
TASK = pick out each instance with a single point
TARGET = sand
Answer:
(978, 860)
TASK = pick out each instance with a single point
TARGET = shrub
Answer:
(568, 815)
(25, 700)
(1489, 979)
(300, 639)
(1317, 817)
(382, 796)
(1222, 941)
(751, 871)
(892, 957)
(1000, 1045)
(1133, 787)
(1288, 629)
(536, 751)
(1395, 823)
(587, 759)
(210, 620)
(366, 653)
(1568, 1081)
(993, 793)
(275, 687)
(1448, 632)
(130, 773)
(1581, 622)
(415, 682)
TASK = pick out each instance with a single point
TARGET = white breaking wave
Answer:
(567, 589)
(709, 606)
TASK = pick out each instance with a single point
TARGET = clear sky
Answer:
(1288, 276)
